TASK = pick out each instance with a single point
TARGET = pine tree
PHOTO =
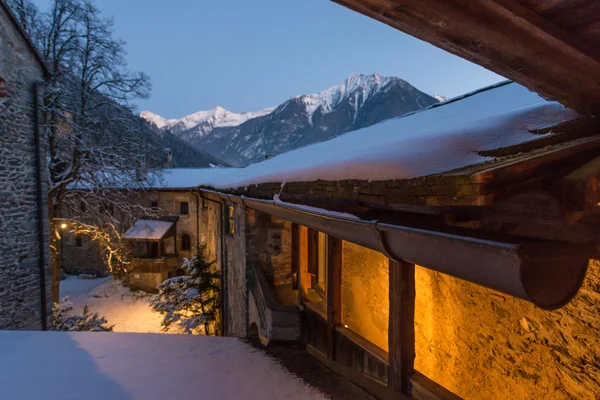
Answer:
(64, 321)
(193, 300)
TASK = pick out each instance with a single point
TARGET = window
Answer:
(78, 240)
(230, 220)
(154, 205)
(186, 243)
(184, 208)
(153, 249)
(2, 87)
(82, 206)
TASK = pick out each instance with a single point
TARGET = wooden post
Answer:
(334, 292)
(401, 333)
(295, 256)
(304, 277)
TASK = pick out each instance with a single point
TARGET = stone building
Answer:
(25, 291)
(159, 240)
(477, 281)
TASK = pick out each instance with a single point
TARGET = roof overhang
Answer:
(150, 230)
(506, 37)
(545, 273)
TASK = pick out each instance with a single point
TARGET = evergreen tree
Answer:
(191, 301)
(64, 321)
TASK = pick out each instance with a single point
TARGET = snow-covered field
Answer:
(105, 365)
(113, 301)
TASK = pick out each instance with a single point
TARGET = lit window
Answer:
(186, 242)
(184, 208)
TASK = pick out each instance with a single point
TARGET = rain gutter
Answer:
(548, 274)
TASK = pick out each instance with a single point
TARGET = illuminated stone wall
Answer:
(484, 345)
(365, 297)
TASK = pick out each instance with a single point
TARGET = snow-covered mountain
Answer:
(241, 139)
(202, 122)
(441, 99)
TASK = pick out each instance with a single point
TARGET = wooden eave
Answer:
(542, 46)
(563, 158)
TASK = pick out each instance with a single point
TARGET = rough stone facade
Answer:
(484, 345)
(88, 258)
(365, 288)
(236, 273)
(20, 291)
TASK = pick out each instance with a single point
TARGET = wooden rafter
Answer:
(502, 36)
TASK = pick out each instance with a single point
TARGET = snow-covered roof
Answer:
(128, 366)
(148, 229)
(442, 138)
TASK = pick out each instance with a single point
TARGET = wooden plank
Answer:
(503, 36)
(523, 168)
(401, 331)
(295, 256)
(426, 389)
(304, 279)
(370, 385)
(334, 292)
(550, 136)
(580, 190)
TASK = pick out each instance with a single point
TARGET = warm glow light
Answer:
(63, 226)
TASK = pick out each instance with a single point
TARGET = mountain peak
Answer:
(204, 121)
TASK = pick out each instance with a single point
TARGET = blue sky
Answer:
(246, 55)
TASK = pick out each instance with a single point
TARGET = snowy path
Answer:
(127, 366)
(105, 296)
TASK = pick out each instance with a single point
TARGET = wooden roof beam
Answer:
(504, 37)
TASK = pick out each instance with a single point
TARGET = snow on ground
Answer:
(113, 301)
(127, 366)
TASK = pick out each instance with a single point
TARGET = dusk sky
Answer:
(248, 55)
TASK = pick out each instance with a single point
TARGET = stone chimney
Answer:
(140, 167)
(169, 156)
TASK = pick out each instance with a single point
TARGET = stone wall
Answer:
(89, 258)
(86, 259)
(237, 290)
(365, 297)
(484, 345)
(269, 244)
(20, 291)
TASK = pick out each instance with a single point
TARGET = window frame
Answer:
(184, 206)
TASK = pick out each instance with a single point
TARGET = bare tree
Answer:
(92, 132)
(26, 13)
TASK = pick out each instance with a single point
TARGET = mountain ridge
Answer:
(244, 138)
